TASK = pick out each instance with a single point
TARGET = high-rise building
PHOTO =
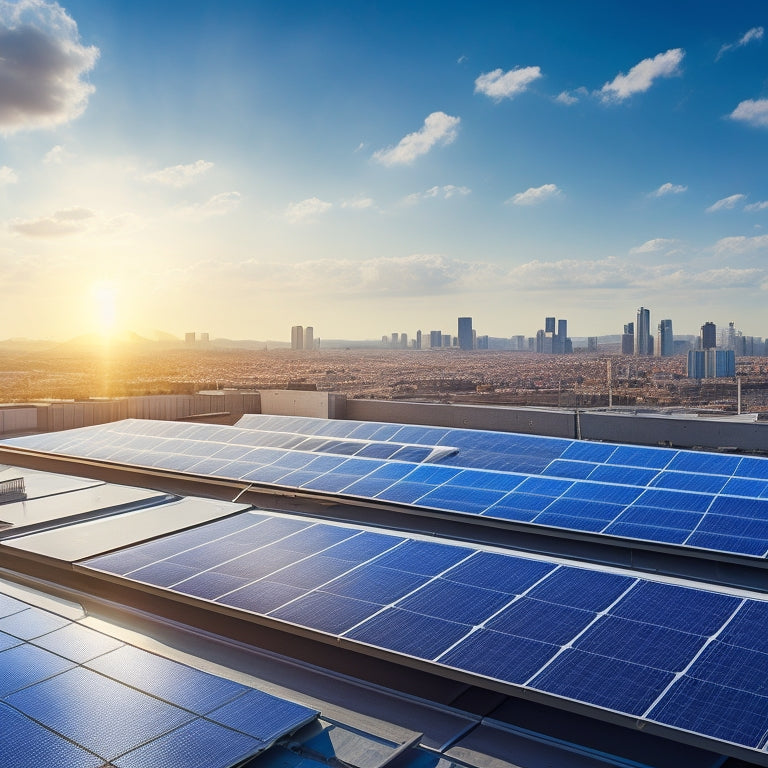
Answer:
(540, 337)
(435, 339)
(708, 336)
(395, 340)
(711, 363)
(446, 340)
(592, 344)
(403, 341)
(519, 343)
(549, 325)
(666, 345)
(628, 339)
(297, 337)
(643, 338)
(309, 337)
(418, 340)
(482, 342)
(205, 338)
(465, 333)
(189, 338)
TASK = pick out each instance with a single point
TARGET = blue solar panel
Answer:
(163, 574)
(316, 538)
(740, 486)
(747, 508)
(726, 543)
(490, 570)
(605, 682)
(499, 656)
(647, 644)
(578, 470)
(685, 481)
(375, 584)
(721, 712)
(413, 634)
(199, 744)
(423, 557)
(110, 719)
(583, 508)
(545, 622)
(752, 467)
(210, 585)
(581, 588)
(27, 744)
(612, 494)
(576, 522)
(168, 680)
(705, 463)
(31, 623)
(660, 517)
(455, 499)
(633, 456)
(456, 602)
(693, 502)
(326, 612)
(747, 628)
(261, 596)
(77, 643)
(732, 667)
(312, 572)
(276, 717)
(363, 546)
(654, 533)
(585, 451)
(23, 665)
(607, 473)
(545, 486)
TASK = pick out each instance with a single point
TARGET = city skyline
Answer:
(242, 166)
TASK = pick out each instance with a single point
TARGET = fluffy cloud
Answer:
(669, 189)
(443, 193)
(752, 111)
(218, 205)
(7, 175)
(359, 204)
(760, 206)
(438, 128)
(56, 155)
(535, 195)
(69, 221)
(726, 204)
(179, 175)
(500, 85)
(306, 209)
(42, 66)
(654, 246)
(741, 245)
(750, 36)
(571, 97)
(642, 76)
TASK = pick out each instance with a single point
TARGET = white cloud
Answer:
(500, 85)
(726, 204)
(56, 155)
(444, 193)
(535, 195)
(43, 66)
(69, 221)
(641, 77)
(438, 128)
(760, 206)
(306, 209)
(218, 205)
(654, 246)
(752, 111)
(741, 245)
(179, 175)
(359, 203)
(7, 175)
(750, 36)
(669, 189)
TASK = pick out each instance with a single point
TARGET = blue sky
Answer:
(241, 167)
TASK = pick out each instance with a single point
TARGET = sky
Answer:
(243, 166)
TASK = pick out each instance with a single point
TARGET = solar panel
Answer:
(599, 637)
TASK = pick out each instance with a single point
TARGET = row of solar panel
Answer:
(579, 458)
(691, 658)
(715, 521)
(75, 697)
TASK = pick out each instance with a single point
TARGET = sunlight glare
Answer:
(104, 297)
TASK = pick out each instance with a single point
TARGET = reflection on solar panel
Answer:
(689, 658)
(124, 706)
(677, 498)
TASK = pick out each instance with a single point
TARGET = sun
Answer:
(104, 306)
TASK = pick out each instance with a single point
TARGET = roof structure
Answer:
(603, 602)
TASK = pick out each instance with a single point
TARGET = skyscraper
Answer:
(309, 337)
(666, 345)
(297, 337)
(628, 340)
(708, 336)
(435, 338)
(465, 333)
(418, 340)
(643, 338)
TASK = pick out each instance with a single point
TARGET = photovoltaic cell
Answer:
(326, 612)
(538, 620)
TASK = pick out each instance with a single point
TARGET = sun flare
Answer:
(104, 305)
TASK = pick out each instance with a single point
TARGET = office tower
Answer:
(189, 338)
(643, 338)
(435, 339)
(465, 333)
(560, 339)
(628, 339)
(446, 340)
(384, 340)
(482, 342)
(519, 343)
(549, 325)
(309, 337)
(666, 345)
(205, 338)
(418, 340)
(592, 344)
(297, 337)
(403, 341)
(540, 337)
(394, 340)
(708, 336)
(711, 363)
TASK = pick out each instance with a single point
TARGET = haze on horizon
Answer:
(242, 167)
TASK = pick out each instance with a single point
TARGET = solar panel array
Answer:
(688, 658)
(75, 697)
(679, 498)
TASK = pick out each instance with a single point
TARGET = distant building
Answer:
(708, 336)
(540, 338)
(711, 363)
(417, 345)
(435, 339)
(628, 339)
(394, 340)
(592, 344)
(403, 341)
(189, 338)
(519, 343)
(297, 337)
(446, 340)
(205, 338)
(666, 345)
(309, 337)
(465, 333)
(549, 324)
(482, 342)
(643, 338)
